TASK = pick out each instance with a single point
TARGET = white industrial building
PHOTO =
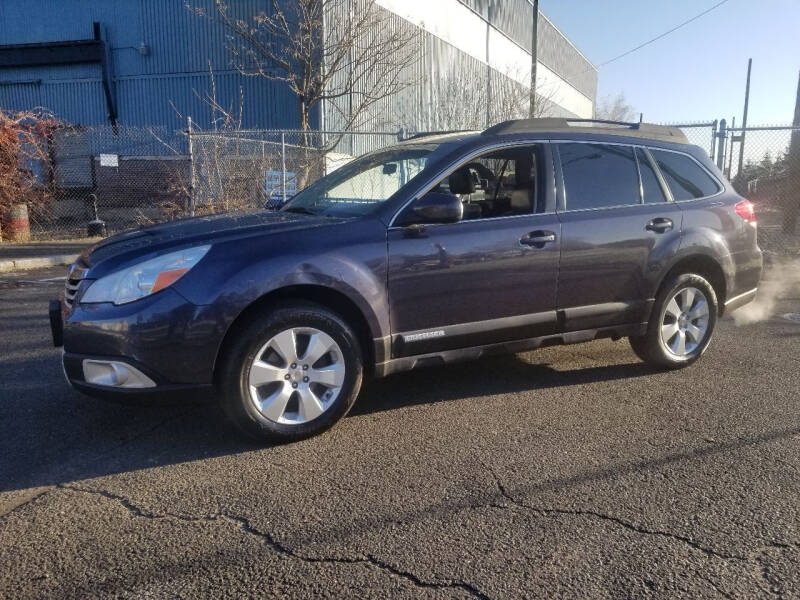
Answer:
(476, 57)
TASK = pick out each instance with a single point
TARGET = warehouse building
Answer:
(122, 77)
(149, 62)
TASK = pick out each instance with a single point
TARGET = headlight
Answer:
(145, 278)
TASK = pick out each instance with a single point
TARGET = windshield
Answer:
(360, 186)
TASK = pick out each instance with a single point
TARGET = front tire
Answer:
(681, 324)
(290, 373)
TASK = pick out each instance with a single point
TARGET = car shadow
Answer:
(488, 376)
(51, 434)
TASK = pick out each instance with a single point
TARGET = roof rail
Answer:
(562, 125)
(424, 134)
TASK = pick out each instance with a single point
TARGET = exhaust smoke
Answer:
(780, 280)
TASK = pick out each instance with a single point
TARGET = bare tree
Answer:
(227, 164)
(459, 99)
(351, 53)
(615, 108)
(511, 100)
(26, 141)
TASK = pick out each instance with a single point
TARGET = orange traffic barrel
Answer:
(17, 227)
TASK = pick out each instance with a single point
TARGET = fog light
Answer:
(112, 373)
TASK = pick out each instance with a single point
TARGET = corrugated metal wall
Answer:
(514, 18)
(173, 77)
(448, 76)
(556, 52)
(386, 114)
(150, 89)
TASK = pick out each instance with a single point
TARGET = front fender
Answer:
(232, 276)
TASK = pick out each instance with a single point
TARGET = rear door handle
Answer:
(538, 238)
(659, 225)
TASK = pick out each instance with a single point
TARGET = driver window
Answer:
(501, 183)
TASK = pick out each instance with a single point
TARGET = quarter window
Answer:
(652, 192)
(599, 175)
(686, 179)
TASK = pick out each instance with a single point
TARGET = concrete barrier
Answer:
(39, 262)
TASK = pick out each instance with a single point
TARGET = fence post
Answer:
(191, 169)
(283, 167)
(730, 154)
(722, 135)
(714, 139)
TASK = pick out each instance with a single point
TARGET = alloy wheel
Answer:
(296, 376)
(684, 322)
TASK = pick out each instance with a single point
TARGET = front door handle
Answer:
(659, 225)
(538, 239)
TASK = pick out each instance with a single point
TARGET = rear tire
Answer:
(290, 373)
(681, 323)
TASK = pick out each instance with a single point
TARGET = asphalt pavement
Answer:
(569, 472)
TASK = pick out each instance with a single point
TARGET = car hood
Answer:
(197, 230)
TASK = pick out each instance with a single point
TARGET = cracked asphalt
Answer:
(570, 472)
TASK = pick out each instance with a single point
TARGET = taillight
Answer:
(746, 210)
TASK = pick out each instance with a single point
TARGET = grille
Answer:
(76, 273)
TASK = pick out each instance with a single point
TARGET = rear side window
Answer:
(599, 175)
(686, 179)
(652, 192)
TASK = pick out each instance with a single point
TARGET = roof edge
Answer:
(597, 126)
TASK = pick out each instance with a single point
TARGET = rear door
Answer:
(618, 227)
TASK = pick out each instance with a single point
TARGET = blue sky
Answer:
(698, 72)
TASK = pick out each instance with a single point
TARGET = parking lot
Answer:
(567, 472)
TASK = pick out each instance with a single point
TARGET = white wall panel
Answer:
(457, 25)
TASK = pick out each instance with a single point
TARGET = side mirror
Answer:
(435, 207)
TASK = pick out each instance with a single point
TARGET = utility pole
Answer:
(791, 202)
(489, 95)
(534, 47)
(744, 115)
(796, 121)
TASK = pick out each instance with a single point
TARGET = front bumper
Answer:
(167, 338)
(160, 392)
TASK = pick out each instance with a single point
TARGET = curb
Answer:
(23, 264)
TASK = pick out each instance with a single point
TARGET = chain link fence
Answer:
(250, 169)
(122, 176)
(763, 163)
(703, 134)
(128, 177)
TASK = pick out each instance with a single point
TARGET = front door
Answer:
(488, 278)
(617, 225)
